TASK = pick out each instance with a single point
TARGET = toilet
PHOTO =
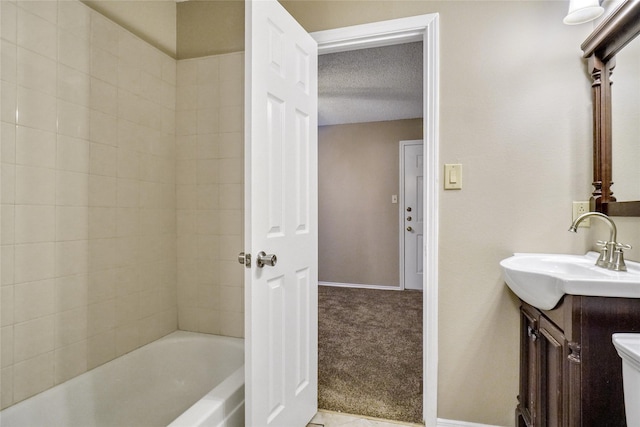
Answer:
(628, 347)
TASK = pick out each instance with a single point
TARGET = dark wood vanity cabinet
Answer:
(570, 373)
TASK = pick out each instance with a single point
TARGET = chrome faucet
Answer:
(611, 255)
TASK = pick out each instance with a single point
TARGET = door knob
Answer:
(408, 218)
(409, 209)
(264, 259)
(409, 228)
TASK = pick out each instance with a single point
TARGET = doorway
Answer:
(420, 28)
(412, 214)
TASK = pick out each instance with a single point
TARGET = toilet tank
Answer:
(628, 347)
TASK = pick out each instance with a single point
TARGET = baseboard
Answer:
(451, 423)
(360, 285)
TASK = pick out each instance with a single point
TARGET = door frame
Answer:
(401, 201)
(398, 31)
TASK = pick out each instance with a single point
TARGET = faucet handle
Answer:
(603, 259)
(618, 258)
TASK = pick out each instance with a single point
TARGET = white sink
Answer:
(543, 279)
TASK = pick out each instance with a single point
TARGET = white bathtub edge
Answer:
(210, 411)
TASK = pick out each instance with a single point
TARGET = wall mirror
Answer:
(613, 55)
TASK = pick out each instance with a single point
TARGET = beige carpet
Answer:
(370, 352)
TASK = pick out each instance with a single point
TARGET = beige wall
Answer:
(515, 110)
(154, 21)
(88, 194)
(209, 28)
(358, 224)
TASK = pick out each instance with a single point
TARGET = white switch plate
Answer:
(452, 176)
(394, 198)
(578, 209)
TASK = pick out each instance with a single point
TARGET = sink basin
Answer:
(543, 279)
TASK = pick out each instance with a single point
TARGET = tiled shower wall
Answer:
(209, 178)
(88, 194)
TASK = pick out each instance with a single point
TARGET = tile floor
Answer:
(335, 419)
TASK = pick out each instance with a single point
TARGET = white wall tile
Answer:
(36, 33)
(35, 147)
(101, 348)
(231, 145)
(128, 193)
(72, 223)
(6, 305)
(75, 18)
(72, 154)
(6, 380)
(8, 224)
(103, 159)
(8, 142)
(101, 317)
(103, 128)
(33, 300)
(71, 292)
(73, 120)
(72, 258)
(9, 21)
(102, 190)
(70, 361)
(231, 67)
(34, 223)
(34, 261)
(46, 9)
(72, 188)
(104, 65)
(32, 376)
(33, 338)
(36, 109)
(6, 351)
(210, 121)
(127, 338)
(231, 119)
(9, 102)
(35, 185)
(208, 70)
(70, 326)
(36, 71)
(73, 86)
(104, 33)
(74, 51)
(8, 183)
(104, 97)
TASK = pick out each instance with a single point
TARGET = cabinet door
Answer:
(526, 411)
(552, 364)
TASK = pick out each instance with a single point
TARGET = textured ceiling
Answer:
(370, 85)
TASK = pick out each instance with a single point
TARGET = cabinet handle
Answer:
(533, 334)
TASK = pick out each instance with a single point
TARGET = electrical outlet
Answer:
(580, 208)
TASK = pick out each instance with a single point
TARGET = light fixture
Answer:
(581, 11)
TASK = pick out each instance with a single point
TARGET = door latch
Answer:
(244, 259)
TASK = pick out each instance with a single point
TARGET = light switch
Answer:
(394, 198)
(453, 177)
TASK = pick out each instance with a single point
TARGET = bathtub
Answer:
(182, 379)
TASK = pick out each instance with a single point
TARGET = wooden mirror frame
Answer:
(600, 49)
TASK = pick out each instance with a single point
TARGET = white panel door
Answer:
(413, 214)
(281, 330)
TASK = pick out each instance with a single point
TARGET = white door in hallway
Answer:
(280, 218)
(412, 186)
